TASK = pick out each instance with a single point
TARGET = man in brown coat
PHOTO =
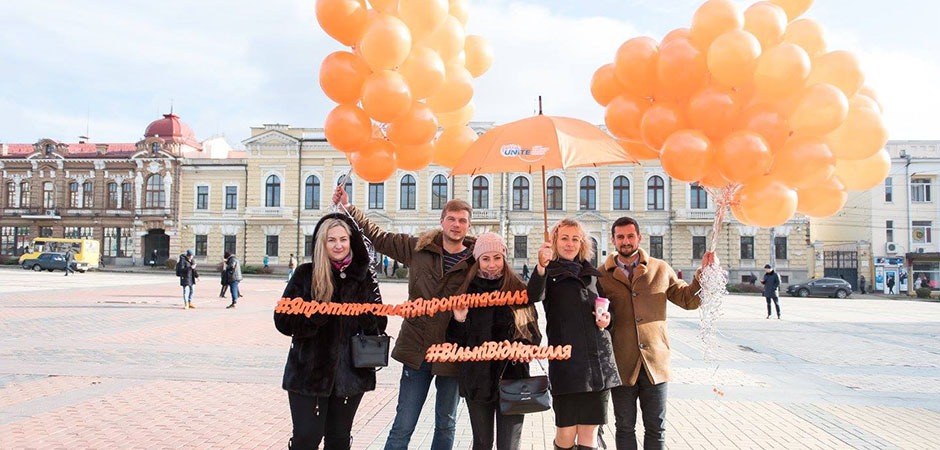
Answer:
(437, 261)
(638, 287)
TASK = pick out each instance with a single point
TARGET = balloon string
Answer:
(724, 199)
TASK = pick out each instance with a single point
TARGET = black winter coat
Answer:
(568, 299)
(771, 284)
(188, 274)
(319, 362)
(479, 380)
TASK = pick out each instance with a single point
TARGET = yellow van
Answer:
(87, 251)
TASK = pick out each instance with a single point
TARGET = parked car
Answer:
(51, 261)
(828, 287)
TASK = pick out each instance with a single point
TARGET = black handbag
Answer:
(370, 352)
(525, 395)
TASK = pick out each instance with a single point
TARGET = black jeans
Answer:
(652, 402)
(508, 428)
(776, 303)
(316, 418)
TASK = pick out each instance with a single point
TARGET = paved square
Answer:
(110, 360)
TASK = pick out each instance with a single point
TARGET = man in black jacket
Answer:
(771, 284)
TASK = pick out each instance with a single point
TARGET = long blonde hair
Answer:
(523, 315)
(587, 250)
(322, 284)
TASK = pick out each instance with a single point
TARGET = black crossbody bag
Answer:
(525, 395)
(370, 352)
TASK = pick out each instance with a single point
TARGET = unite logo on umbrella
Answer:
(535, 154)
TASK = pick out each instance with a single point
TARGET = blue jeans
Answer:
(412, 392)
(652, 399)
(187, 294)
(233, 288)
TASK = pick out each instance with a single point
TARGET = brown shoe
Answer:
(230, 306)
(191, 306)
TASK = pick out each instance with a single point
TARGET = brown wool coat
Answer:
(638, 314)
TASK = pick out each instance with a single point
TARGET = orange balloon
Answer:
(822, 200)
(623, 116)
(781, 71)
(385, 6)
(713, 177)
(743, 155)
(604, 85)
(870, 93)
(681, 69)
(460, 10)
(385, 96)
(418, 126)
(347, 128)
(422, 16)
(452, 144)
(840, 69)
(766, 21)
(343, 20)
(456, 118)
(385, 43)
(807, 34)
(820, 109)
(375, 162)
(794, 8)
(638, 150)
(424, 71)
(479, 55)
(448, 39)
(712, 19)
(456, 91)
(860, 136)
(342, 75)
(770, 124)
(414, 157)
(764, 202)
(635, 65)
(659, 122)
(713, 111)
(678, 33)
(685, 155)
(803, 162)
(732, 56)
(863, 101)
(864, 174)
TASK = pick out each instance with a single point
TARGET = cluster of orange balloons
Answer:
(749, 100)
(408, 74)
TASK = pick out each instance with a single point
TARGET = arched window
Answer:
(481, 193)
(555, 194)
(621, 193)
(348, 187)
(587, 194)
(699, 197)
(272, 191)
(154, 197)
(520, 193)
(408, 192)
(113, 196)
(73, 195)
(312, 193)
(88, 195)
(438, 192)
(655, 194)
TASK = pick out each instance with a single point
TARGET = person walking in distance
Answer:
(438, 261)
(234, 268)
(861, 283)
(291, 264)
(771, 284)
(69, 258)
(153, 259)
(525, 272)
(186, 270)
(639, 287)
(385, 266)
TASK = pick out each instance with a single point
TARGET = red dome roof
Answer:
(172, 129)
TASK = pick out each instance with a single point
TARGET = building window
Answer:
(48, 195)
(231, 197)
(308, 245)
(45, 231)
(920, 231)
(928, 273)
(747, 247)
(655, 194)
(88, 195)
(698, 247)
(376, 195)
(699, 198)
(155, 197)
(438, 192)
(780, 247)
(621, 193)
(348, 187)
(408, 192)
(481, 193)
(656, 247)
(24, 195)
(228, 243)
(50, 149)
(889, 190)
(270, 245)
(920, 190)
(202, 197)
(202, 244)
(117, 242)
(555, 194)
(74, 199)
(272, 191)
(79, 233)
(587, 198)
(520, 193)
(889, 230)
(11, 195)
(127, 196)
(113, 197)
(14, 241)
(312, 193)
(520, 247)
(155, 147)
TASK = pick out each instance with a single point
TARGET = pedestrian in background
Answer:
(771, 284)
(186, 270)
(861, 283)
(234, 268)
(265, 261)
(69, 258)
(291, 264)
(385, 266)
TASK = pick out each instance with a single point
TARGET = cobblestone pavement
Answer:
(108, 360)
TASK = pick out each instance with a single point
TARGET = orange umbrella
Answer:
(541, 142)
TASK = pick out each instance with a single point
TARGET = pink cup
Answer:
(601, 305)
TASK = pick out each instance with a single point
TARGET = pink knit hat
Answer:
(489, 242)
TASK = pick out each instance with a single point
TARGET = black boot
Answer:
(584, 447)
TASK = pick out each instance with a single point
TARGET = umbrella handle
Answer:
(544, 198)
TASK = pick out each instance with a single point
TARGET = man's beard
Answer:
(628, 255)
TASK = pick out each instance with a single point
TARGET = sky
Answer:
(107, 68)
